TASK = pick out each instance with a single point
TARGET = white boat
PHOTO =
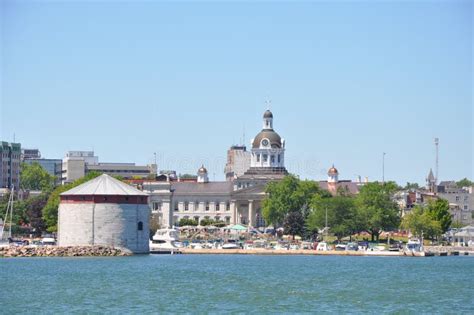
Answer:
(414, 245)
(322, 246)
(164, 242)
(231, 244)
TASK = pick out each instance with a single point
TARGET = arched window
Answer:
(140, 226)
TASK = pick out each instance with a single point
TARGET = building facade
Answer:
(77, 164)
(461, 201)
(10, 160)
(238, 162)
(236, 200)
(30, 154)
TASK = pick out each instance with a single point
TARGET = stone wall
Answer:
(114, 225)
(53, 251)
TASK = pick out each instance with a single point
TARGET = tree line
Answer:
(302, 208)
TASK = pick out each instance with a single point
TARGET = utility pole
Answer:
(436, 141)
(383, 168)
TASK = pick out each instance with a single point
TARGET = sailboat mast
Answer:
(11, 211)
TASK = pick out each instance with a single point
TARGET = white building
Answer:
(238, 162)
(76, 164)
(104, 211)
(461, 201)
(232, 201)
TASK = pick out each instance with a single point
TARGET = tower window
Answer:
(279, 160)
(140, 226)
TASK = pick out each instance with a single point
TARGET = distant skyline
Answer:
(347, 82)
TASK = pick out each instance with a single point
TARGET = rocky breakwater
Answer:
(56, 251)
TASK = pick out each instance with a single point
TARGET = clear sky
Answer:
(347, 81)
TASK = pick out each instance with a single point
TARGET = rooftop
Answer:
(104, 185)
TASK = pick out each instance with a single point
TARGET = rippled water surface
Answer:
(237, 284)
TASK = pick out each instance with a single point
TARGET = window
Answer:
(227, 206)
(140, 226)
(258, 157)
(186, 206)
(227, 220)
(465, 207)
(176, 208)
(272, 158)
(466, 198)
(157, 206)
(207, 206)
(278, 158)
(457, 198)
(265, 158)
(217, 206)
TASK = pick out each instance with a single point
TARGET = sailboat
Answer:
(6, 234)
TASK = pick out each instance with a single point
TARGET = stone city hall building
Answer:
(238, 200)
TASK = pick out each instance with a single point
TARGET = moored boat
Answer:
(165, 242)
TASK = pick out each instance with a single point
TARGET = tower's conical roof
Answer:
(430, 176)
(104, 185)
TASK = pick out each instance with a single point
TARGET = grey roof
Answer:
(273, 137)
(191, 188)
(447, 183)
(104, 185)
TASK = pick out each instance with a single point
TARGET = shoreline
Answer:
(104, 251)
(59, 251)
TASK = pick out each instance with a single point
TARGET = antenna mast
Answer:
(436, 141)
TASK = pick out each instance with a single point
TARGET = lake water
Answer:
(237, 284)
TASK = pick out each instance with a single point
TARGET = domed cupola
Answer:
(202, 175)
(333, 175)
(267, 146)
(268, 114)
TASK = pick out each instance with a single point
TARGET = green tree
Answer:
(35, 177)
(464, 183)
(34, 212)
(420, 223)
(294, 224)
(185, 222)
(376, 211)
(341, 215)
(411, 186)
(287, 195)
(438, 210)
(50, 211)
(206, 222)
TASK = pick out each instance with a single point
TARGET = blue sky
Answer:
(347, 81)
